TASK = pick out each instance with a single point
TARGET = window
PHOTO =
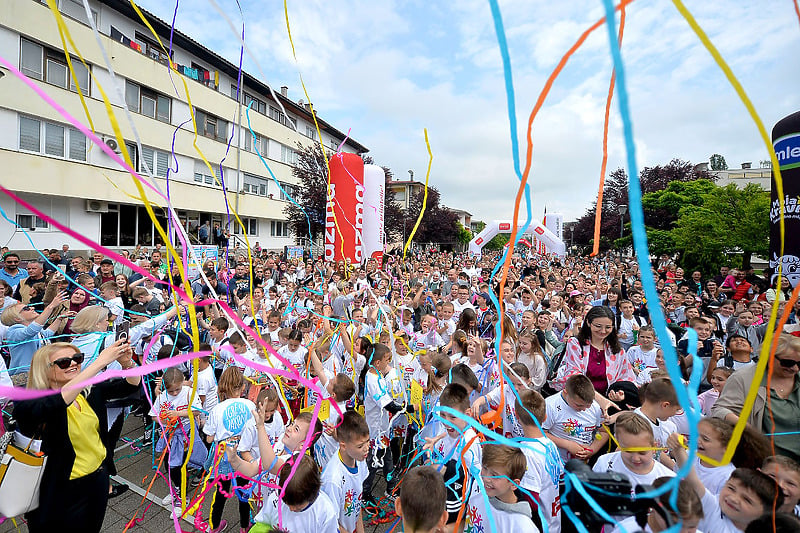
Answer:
(400, 195)
(250, 225)
(234, 90)
(203, 176)
(288, 155)
(277, 115)
(151, 49)
(279, 228)
(31, 222)
(156, 160)
(59, 140)
(150, 103)
(311, 133)
(262, 143)
(255, 185)
(211, 126)
(258, 105)
(46, 64)
(288, 191)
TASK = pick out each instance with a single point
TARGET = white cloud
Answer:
(389, 69)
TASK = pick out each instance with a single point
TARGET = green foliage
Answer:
(497, 242)
(718, 162)
(464, 235)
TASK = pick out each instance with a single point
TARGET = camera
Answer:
(613, 492)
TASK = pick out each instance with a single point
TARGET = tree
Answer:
(392, 212)
(729, 221)
(615, 194)
(439, 224)
(311, 171)
(718, 162)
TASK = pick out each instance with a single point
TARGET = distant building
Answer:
(464, 217)
(404, 190)
(742, 176)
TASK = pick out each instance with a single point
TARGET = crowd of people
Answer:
(408, 369)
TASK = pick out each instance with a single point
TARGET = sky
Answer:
(386, 70)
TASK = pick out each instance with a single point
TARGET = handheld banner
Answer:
(786, 141)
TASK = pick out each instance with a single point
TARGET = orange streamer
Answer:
(598, 214)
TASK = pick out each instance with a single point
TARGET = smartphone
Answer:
(123, 330)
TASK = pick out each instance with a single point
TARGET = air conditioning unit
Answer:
(96, 206)
(112, 143)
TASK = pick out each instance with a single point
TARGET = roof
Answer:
(405, 182)
(182, 40)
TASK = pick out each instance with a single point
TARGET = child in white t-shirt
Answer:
(636, 457)
(516, 379)
(690, 511)
(303, 507)
(499, 505)
(573, 417)
(746, 495)
(171, 410)
(343, 477)
(643, 355)
(660, 403)
(545, 468)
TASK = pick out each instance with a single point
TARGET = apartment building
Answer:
(55, 168)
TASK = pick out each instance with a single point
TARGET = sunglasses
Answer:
(28, 308)
(788, 363)
(66, 362)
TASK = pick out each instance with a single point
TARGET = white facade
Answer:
(57, 169)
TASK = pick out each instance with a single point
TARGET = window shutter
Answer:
(29, 132)
(54, 139)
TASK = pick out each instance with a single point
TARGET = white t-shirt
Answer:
(511, 426)
(641, 359)
(612, 462)
(458, 307)
(447, 454)
(326, 446)
(319, 517)
(296, 358)
(343, 486)
(229, 418)
(713, 477)
(207, 386)
(714, 521)
(477, 517)
(565, 422)
(542, 476)
(662, 429)
(116, 308)
(451, 328)
(377, 395)
(179, 402)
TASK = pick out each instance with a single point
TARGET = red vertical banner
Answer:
(344, 211)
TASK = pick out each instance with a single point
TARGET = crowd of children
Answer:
(468, 415)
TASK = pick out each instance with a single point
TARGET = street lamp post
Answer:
(622, 210)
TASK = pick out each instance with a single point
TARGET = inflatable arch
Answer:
(553, 243)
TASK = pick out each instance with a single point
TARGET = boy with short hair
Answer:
(573, 417)
(659, 405)
(344, 475)
(635, 457)
(446, 327)
(109, 292)
(502, 468)
(545, 469)
(628, 324)
(786, 472)
(745, 496)
(643, 355)
(422, 499)
(457, 442)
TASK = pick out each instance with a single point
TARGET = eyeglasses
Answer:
(11, 262)
(66, 362)
(28, 308)
(788, 363)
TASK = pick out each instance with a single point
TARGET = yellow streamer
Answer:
(424, 199)
(766, 346)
